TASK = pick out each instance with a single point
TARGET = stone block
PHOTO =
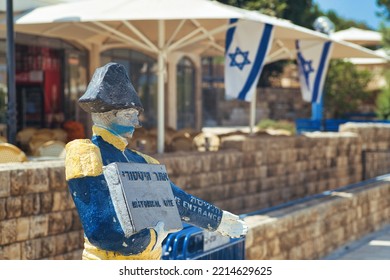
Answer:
(59, 257)
(5, 185)
(68, 219)
(57, 181)
(249, 159)
(283, 225)
(55, 223)
(257, 252)
(207, 164)
(23, 228)
(288, 240)
(18, 179)
(74, 255)
(235, 144)
(75, 241)
(14, 207)
(39, 226)
(31, 204)
(296, 253)
(315, 229)
(8, 231)
(308, 252)
(48, 246)
(252, 201)
(201, 164)
(251, 187)
(76, 224)
(46, 202)
(60, 244)
(319, 245)
(3, 211)
(273, 157)
(302, 234)
(249, 238)
(337, 236)
(229, 176)
(203, 180)
(175, 166)
(11, 252)
(62, 201)
(273, 247)
(300, 218)
(365, 209)
(37, 180)
(31, 249)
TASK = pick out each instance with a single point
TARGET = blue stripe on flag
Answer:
(230, 33)
(263, 47)
(320, 71)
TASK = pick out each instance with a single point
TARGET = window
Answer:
(142, 73)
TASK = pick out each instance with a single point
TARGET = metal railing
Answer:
(193, 243)
(309, 125)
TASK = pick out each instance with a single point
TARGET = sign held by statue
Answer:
(144, 194)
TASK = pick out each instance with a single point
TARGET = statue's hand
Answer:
(161, 233)
(232, 226)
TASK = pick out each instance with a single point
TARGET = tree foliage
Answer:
(301, 12)
(385, 8)
(342, 23)
(385, 28)
(383, 100)
(345, 88)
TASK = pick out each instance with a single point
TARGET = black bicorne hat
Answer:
(110, 89)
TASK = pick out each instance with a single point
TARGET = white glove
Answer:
(161, 234)
(231, 225)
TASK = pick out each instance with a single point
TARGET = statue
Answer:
(108, 228)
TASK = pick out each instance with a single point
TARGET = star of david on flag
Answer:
(247, 45)
(313, 60)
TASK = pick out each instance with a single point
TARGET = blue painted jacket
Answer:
(96, 210)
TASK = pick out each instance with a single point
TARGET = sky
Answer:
(360, 10)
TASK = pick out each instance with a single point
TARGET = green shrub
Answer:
(272, 124)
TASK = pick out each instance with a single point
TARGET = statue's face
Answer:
(125, 121)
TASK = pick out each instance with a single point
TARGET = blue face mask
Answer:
(122, 129)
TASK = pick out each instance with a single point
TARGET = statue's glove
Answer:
(231, 225)
(161, 233)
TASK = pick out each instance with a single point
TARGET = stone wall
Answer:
(374, 136)
(38, 219)
(257, 172)
(313, 229)
(375, 146)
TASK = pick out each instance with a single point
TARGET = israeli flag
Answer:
(313, 59)
(247, 45)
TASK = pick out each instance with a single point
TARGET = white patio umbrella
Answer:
(372, 61)
(365, 38)
(161, 27)
(359, 36)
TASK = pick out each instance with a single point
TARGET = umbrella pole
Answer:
(11, 75)
(160, 85)
(252, 118)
